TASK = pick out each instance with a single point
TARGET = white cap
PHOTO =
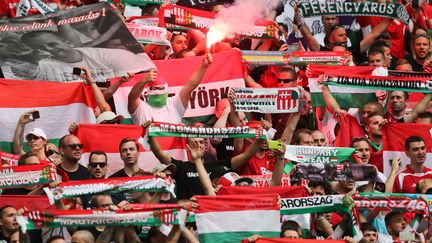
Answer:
(108, 116)
(37, 132)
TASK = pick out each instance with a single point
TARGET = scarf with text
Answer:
(295, 57)
(268, 100)
(313, 154)
(27, 175)
(159, 129)
(8, 159)
(389, 10)
(148, 34)
(408, 84)
(139, 216)
(73, 189)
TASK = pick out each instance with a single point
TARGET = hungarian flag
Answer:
(59, 104)
(283, 191)
(31, 202)
(107, 137)
(225, 72)
(394, 136)
(346, 97)
(233, 218)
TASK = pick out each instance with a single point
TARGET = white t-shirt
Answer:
(172, 113)
(104, 63)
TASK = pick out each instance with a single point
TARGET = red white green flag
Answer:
(394, 136)
(107, 138)
(240, 217)
(8, 159)
(59, 104)
(226, 71)
(345, 96)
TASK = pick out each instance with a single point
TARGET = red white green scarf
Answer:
(73, 189)
(27, 175)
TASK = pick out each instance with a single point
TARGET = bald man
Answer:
(82, 236)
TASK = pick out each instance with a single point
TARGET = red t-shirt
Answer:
(396, 31)
(407, 180)
(259, 166)
(8, 7)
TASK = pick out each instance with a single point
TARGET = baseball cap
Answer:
(219, 171)
(37, 132)
(162, 167)
(107, 117)
(232, 179)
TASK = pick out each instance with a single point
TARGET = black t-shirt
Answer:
(224, 150)
(187, 179)
(415, 66)
(118, 197)
(80, 174)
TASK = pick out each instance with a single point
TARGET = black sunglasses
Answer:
(95, 164)
(285, 80)
(74, 146)
(51, 152)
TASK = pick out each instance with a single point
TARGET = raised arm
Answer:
(19, 133)
(194, 80)
(419, 108)
(161, 155)
(138, 88)
(221, 122)
(376, 31)
(331, 102)
(197, 155)
(109, 92)
(279, 167)
(310, 39)
(240, 160)
(97, 93)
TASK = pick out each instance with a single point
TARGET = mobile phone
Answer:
(275, 144)
(34, 115)
(76, 71)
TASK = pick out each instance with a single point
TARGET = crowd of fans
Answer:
(380, 42)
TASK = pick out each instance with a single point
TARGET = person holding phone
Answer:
(36, 138)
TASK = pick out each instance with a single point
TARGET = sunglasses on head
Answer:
(95, 164)
(285, 80)
(51, 152)
(74, 146)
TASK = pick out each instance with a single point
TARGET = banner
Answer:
(284, 100)
(199, 19)
(9, 159)
(389, 202)
(141, 2)
(107, 138)
(92, 36)
(394, 136)
(73, 189)
(226, 71)
(31, 202)
(27, 175)
(286, 240)
(159, 129)
(149, 34)
(90, 218)
(426, 197)
(282, 191)
(154, 21)
(406, 84)
(334, 172)
(388, 10)
(239, 218)
(268, 57)
(313, 154)
(345, 96)
(59, 104)
(412, 74)
(264, 180)
(202, 3)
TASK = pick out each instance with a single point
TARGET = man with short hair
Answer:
(370, 234)
(319, 139)
(407, 179)
(424, 118)
(362, 148)
(70, 149)
(8, 223)
(376, 58)
(129, 153)
(399, 103)
(303, 137)
(98, 165)
(374, 125)
(395, 223)
(290, 230)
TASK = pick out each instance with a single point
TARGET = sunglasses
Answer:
(285, 80)
(95, 164)
(74, 146)
(51, 152)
